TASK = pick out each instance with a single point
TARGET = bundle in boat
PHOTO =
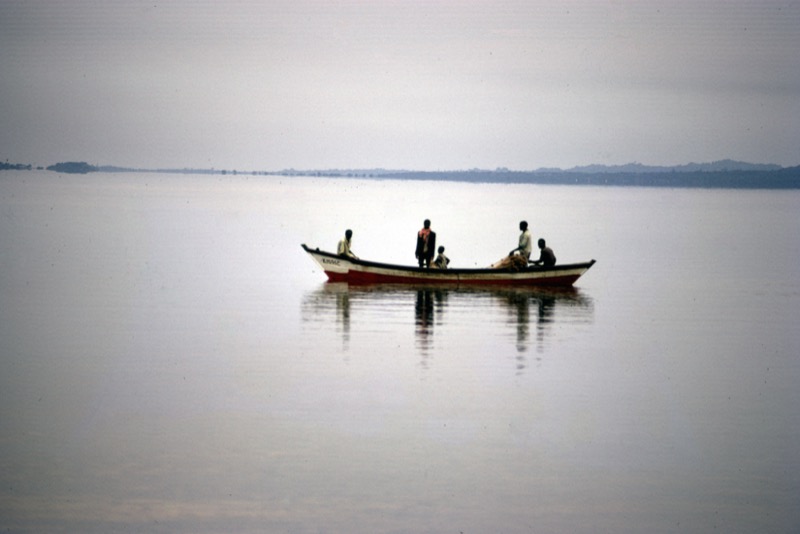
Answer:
(511, 263)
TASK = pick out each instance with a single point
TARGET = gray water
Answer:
(170, 361)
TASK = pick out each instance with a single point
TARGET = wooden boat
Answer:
(358, 271)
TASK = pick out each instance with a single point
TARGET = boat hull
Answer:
(357, 271)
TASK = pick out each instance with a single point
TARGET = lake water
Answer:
(171, 361)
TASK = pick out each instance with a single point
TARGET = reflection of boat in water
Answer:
(353, 270)
(510, 294)
(435, 310)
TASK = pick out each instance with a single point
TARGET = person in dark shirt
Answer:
(426, 245)
(546, 256)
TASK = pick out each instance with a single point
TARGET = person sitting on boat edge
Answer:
(546, 256)
(525, 247)
(344, 245)
(426, 244)
(441, 261)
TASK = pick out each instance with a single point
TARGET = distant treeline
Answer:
(720, 174)
(6, 166)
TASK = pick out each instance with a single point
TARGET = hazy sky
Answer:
(399, 84)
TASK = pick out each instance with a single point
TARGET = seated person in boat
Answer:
(525, 246)
(546, 256)
(441, 260)
(344, 246)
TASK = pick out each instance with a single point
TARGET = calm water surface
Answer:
(170, 361)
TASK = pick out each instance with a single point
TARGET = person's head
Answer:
(523, 225)
(427, 223)
(441, 249)
(348, 233)
(541, 243)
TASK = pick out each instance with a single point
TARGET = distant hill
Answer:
(724, 165)
(73, 167)
(780, 178)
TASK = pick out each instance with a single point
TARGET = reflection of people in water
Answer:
(423, 315)
(520, 302)
(343, 315)
(429, 303)
(530, 314)
(547, 305)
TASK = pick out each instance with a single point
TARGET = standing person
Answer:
(546, 256)
(525, 246)
(441, 261)
(426, 244)
(344, 245)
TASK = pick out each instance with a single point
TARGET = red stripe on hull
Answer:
(359, 277)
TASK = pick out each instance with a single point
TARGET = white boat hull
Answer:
(357, 271)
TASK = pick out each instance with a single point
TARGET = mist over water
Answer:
(170, 360)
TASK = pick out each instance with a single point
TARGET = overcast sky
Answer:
(429, 85)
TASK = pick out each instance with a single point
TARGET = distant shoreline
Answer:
(723, 174)
(778, 179)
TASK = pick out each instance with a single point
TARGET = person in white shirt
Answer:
(525, 246)
(441, 260)
(344, 245)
